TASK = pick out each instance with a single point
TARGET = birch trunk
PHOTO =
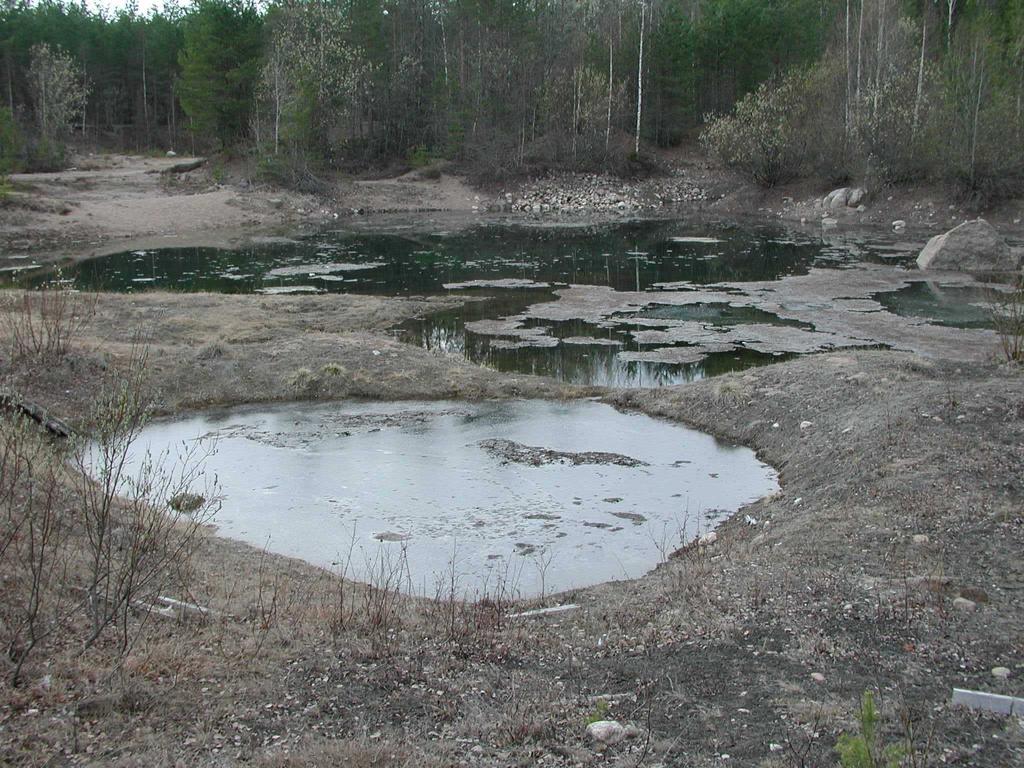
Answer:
(846, 46)
(920, 79)
(608, 123)
(860, 46)
(640, 82)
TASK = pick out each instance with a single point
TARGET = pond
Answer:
(630, 255)
(952, 306)
(528, 497)
(506, 271)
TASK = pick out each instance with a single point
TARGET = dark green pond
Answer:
(630, 255)
(955, 307)
(626, 256)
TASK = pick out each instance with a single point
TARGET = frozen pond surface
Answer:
(532, 496)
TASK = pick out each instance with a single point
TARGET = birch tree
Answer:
(58, 92)
(640, 81)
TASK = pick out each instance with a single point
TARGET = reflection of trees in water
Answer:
(597, 255)
(594, 364)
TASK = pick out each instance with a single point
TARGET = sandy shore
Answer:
(107, 203)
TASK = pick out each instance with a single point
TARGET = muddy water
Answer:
(525, 496)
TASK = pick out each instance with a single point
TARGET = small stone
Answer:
(964, 605)
(1000, 673)
(920, 538)
(805, 424)
(817, 677)
(606, 731)
(977, 594)
(899, 224)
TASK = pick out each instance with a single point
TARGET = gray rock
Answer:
(856, 197)
(606, 731)
(974, 246)
(899, 225)
(1000, 673)
(964, 605)
(837, 198)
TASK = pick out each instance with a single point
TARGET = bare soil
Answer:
(108, 202)
(901, 491)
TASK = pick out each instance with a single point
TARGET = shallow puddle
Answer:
(528, 497)
(953, 306)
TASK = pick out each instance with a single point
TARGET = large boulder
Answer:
(974, 246)
(844, 197)
(836, 198)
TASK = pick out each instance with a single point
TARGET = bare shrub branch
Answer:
(45, 323)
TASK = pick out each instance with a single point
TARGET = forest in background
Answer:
(880, 90)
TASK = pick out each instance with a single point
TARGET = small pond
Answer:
(528, 496)
(503, 268)
(630, 255)
(955, 307)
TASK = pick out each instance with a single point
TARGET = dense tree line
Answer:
(510, 85)
(923, 90)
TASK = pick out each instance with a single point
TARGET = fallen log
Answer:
(191, 165)
(37, 413)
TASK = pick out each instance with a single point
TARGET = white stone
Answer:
(965, 605)
(606, 731)
(856, 197)
(837, 198)
(805, 424)
(920, 538)
(1000, 673)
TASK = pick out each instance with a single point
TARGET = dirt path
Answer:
(106, 203)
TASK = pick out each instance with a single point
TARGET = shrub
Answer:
(863, 750)
(11, 144)
(34, 538)
(46, 322)
(771, 134)
(140, 524)
(419, 157)
(892, 145)
(1008, 319)
(982, 122)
